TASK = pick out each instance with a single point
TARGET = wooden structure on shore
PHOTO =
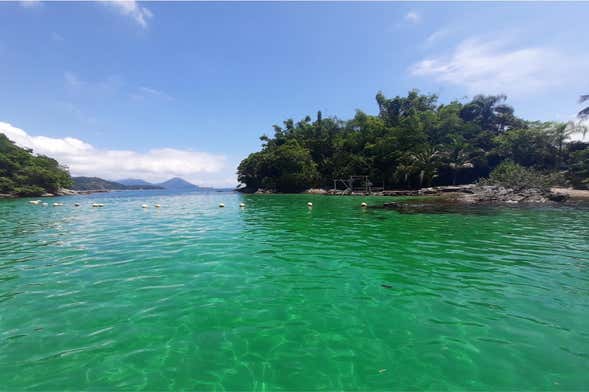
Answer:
(356, 184)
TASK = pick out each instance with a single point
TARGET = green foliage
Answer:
(25, 174)
(580, 168)
(511, 175)
(284, 168)
(528, 147)
(412, 142)
(28, 190)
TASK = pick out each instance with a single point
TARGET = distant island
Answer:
(25, 174)
(415, 142)
(99, 184)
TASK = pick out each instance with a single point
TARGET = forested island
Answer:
(99, 184)
(415, 142)
(24, 174)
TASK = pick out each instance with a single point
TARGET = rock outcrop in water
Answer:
(494, 194)
(465, 197)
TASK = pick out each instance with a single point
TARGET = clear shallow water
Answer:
(280, 297)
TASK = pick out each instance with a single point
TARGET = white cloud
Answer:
(492, 67)
(413, 17)
(30, 3)
(132, 9)
(160, 164)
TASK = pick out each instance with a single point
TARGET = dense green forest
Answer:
(24, 174)
(413, 142)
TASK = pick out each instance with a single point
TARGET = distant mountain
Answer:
(133, 182)
(95, 184)
(179, 184)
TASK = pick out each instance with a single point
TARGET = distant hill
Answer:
(134, 182)
(177, 183)
(95, 183)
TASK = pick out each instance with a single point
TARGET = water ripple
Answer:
(277, 296)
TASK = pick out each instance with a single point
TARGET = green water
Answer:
(277, 296)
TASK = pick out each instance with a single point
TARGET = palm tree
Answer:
(457, 155)
(402, 172)
(426, 163)
(584, 113)
(489, 112)
(561, 132)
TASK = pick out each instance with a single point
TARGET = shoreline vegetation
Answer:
(477, 152)
(415, 143)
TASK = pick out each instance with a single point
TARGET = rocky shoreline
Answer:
(467, 194)
(466, 197)
(489, 194)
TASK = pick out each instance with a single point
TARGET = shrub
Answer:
(511, 175)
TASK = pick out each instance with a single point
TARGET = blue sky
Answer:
(126, 89)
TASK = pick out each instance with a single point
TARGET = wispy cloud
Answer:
(437, 36)
(56, 37)
(30, 3)
(83, 159)
(144, 93)
(132, 9)
(412, 17)
(72, 80)
(92, 88)
(494, 66)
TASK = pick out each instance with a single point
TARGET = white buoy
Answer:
(144, 206)
(221, 205)
(309, 204)
(156, 205)
(45, 204)
(35, 202)
(57, 204)
(364, 204)
(242, 205)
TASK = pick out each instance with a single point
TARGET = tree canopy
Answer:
(413, 141)
(24, 174)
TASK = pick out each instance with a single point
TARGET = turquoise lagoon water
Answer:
(277, 296)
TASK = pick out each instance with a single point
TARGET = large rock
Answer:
(316, 191)
(262, 191)
(473, 193)
(499, 194)
(66, 192)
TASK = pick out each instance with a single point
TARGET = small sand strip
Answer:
(572, 193)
